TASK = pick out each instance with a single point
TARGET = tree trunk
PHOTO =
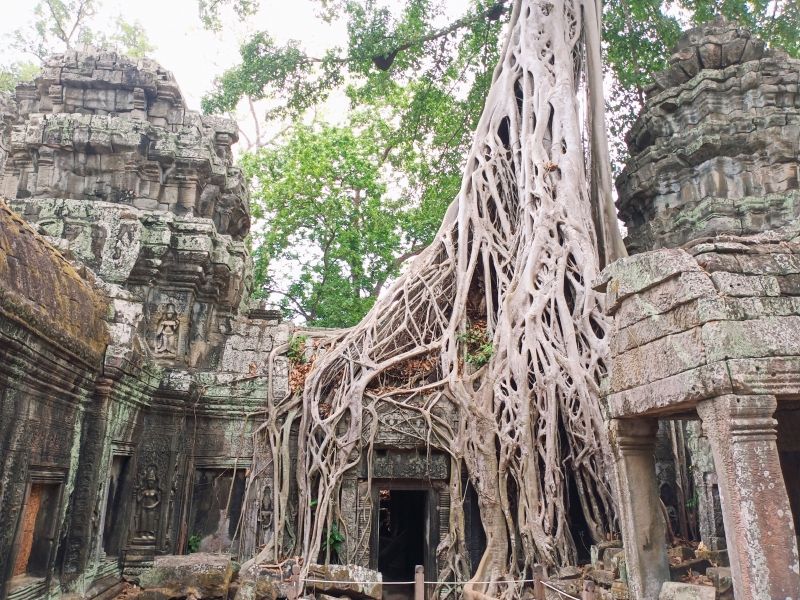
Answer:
(515, 257)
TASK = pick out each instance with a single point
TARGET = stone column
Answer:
(759, 527)
(641, 519)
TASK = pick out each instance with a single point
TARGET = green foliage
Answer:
(193, 543)
(129, 38)
(479, 347)
(60, 25)
(297, 349)
(416, 85)
(328, 234)
(15, 73)
(416, 92)
(334, 541)
(638, 36)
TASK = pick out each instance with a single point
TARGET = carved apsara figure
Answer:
(166, 341)
(265, 513)
(148, 499)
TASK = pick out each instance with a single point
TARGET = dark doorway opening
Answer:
(113, 525)
(402, 527)
(788, 417)
(476, 536)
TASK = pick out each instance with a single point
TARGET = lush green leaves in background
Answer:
(416, 87)
(328, 234)
(638, 35)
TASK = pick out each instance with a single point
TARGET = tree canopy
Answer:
(60, 25)
(327, 220)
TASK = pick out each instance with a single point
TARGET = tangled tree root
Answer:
(513, 261)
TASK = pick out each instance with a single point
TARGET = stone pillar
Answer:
(759, 528)
(641, 519)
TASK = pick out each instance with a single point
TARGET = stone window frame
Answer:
(41, 475)
(210, 463)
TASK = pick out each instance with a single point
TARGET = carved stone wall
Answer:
(705, 314)
(121, 396)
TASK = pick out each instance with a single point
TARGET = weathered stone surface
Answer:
(125, 340)
(38, 286)
(352, 581)
(686, 591)
(197, 575)
(715, 149)
(714, 168)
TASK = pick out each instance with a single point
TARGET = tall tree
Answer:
(429, 78)
(495, 324)
(330, 234)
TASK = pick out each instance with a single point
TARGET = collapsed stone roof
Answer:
(38, 286)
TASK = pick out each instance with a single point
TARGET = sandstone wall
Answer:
(715, 148)
(132, 362)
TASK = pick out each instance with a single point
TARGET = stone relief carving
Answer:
(265, 515)
(148, 500)
(166, 338)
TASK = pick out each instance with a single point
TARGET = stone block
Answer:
(681, 553)
(722, 580)
(671, 394)
(735, 284)
(659, 359)
(696, 566)
(634, 274)
(672, 590)
(352, 581)
(199, 575)
(754, 338)
(664, 297)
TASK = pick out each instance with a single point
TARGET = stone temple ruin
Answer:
(134, 371)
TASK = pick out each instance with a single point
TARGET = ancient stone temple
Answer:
(130, 359)
(136, 376)
(707, 311)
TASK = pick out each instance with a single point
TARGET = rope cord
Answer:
(546, 584)
(562, 592)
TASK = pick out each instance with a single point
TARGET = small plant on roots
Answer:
(334, 541)
(297, 349)
(193, 544)
(479, 346)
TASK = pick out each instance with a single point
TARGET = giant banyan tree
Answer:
(496, 320)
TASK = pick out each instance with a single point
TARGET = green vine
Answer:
(334, 540)
(193, 544)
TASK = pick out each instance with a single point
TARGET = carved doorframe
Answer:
(39, 476)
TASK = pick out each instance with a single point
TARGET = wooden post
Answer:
(296, 589)
(588, 590)
(419, 583)
(538, 582)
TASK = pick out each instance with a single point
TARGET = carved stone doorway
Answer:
(36, 532)
(114, 524)
(406, 533)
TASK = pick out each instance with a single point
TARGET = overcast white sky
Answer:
(193, 54)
